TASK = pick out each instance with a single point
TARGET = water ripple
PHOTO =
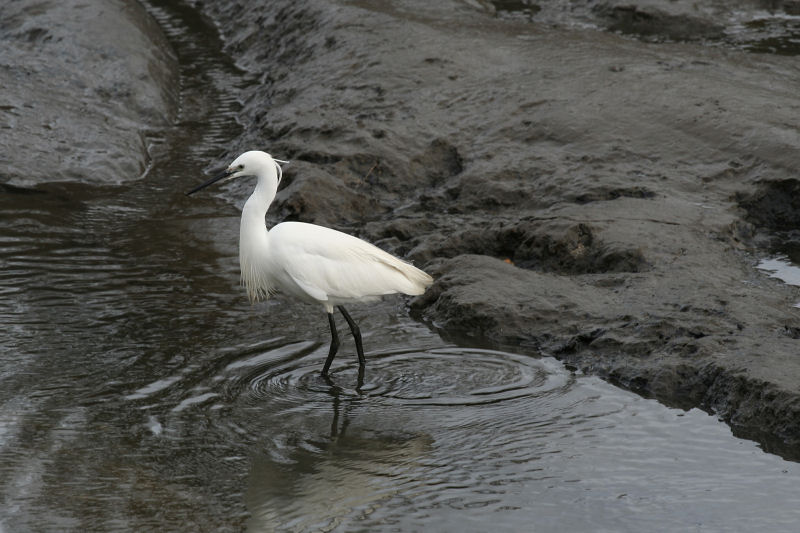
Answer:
(438, 377)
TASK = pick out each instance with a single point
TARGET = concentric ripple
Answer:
(457, 376)
(437, 377)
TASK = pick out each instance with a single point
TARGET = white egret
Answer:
(312, 263)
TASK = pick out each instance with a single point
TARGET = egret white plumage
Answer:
(313, 263)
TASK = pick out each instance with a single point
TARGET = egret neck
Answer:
(254, 237)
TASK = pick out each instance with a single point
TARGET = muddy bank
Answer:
(768, 26)
(77, 105)
(575, 192)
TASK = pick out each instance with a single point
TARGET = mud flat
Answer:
(598, 197)
(576, 192)
(82, 86)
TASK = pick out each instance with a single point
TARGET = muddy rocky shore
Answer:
(596, 197)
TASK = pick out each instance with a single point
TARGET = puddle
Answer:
(782, 268)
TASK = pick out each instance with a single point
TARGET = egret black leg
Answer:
(356, 335)
(334, 345)
(360, 382)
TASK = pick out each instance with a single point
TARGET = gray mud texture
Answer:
(575, 192)
(82, 83)
(599, 197)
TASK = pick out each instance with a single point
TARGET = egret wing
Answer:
(322, 260)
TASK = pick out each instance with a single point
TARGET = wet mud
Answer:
(589, 184)
(598, 190)
(82, 87)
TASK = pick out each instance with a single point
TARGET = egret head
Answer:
(253, 163)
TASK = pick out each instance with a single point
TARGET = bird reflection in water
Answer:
(338, 476)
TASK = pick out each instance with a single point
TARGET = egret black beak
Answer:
(213, 180)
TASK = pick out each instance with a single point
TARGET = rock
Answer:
(652, 22)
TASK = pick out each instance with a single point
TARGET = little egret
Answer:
(312, 263)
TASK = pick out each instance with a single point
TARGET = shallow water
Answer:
(784, 263)
(139, 391)
(237, 430)
(781, 267)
